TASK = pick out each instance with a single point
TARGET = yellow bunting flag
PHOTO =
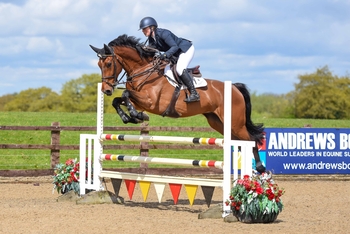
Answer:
(191, 192)
(144, 185)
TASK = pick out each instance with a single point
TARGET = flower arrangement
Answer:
(256, 199)
(66, 176)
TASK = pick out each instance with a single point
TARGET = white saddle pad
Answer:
(197, 81)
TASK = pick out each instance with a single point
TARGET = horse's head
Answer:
(124, 52)
(110, 68)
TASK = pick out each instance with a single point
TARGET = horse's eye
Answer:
(108, 65)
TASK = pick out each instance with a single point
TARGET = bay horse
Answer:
(148, 90)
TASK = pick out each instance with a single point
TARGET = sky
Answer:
(264, 44)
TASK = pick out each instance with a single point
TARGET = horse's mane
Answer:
(133, 42)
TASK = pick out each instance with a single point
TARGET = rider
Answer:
(165, 41)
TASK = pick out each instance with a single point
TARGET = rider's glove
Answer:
(163, 56)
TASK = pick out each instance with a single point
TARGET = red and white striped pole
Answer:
(169, 161)
(164, 139)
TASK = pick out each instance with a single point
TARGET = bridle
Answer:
(114, 76)
(116, 81)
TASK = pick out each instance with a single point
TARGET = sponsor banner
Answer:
(306, 150)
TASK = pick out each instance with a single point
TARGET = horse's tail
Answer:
(255, 130)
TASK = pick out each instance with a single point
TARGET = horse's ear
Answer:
(107, 49)
(97, 50)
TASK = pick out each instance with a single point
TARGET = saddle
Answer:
(194, 71)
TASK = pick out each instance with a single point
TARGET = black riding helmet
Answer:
(148, 21)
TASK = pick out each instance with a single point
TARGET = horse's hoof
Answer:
(143, 116)
(125, 119)
(260, 167)
(135, 121)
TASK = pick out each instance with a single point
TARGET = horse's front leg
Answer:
(141, 116)
(125, 118)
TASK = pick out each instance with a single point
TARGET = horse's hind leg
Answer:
(241, 133)
(214, 122)
(258, 164)
(238, 132)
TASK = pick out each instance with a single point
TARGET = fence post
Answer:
(144, 150)
(55, 141)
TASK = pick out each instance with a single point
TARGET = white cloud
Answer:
(93, 63)
(38, 44)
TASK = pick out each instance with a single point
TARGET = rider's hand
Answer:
(163, 56)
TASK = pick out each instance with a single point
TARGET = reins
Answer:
(154, 68)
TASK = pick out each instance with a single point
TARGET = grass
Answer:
(40, 159)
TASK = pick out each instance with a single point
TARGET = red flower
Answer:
(240, 181)
(70, 162)
(247, 187)
(254, 187)
(259, 190)
(270, 194)
(280, 192)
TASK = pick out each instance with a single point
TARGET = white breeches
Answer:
(184, 60)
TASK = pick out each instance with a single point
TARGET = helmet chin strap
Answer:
(151, 34)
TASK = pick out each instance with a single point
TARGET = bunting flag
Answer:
(130, 186)
(191, 192)
(175, 191)
(208, 192)
(159, 187)
(116, 185)
(144, 185)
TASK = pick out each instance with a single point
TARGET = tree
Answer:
(272, 105)
(36, 100)
(5, 99)
(323, 96)
(80, 95)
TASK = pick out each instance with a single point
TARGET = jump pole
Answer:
(169, 161)
(90, 145)
(164, 139)
(226, 187)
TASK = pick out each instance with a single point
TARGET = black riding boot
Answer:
(188, 81)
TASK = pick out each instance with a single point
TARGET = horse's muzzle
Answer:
(108, 92)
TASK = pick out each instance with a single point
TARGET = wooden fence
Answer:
(55, 147)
